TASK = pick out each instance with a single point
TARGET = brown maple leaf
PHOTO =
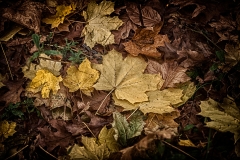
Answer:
(146, 41)
(149, 16)
(28, 15)
(51, 139)
(15, 90)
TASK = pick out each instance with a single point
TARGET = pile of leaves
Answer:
(120, 80)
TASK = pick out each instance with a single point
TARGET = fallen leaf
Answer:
(164, 121)
(173, 74)
(224, 116)
(106, 136)
(52, 139)
(149, 16)
(28, 15)
(125, 130)
(91, 150)
(99, 24)
(8, 35)
(232, 57)
(14, 92)
(146, 41)
(44, 81)
(81, 78)
(95, 101)
(159, 101)
(125, 77)
(7, 129)
(186, 143)
(62, 12)
(2, 79)
(124, 30)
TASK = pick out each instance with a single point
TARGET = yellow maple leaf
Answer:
(126, 77)
(99, 24)
(62, 12)
(7, 129)
(224, 116)
(81, 78)
(44, 81)
(159, 101)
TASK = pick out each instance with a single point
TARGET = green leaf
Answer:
(220, 54)
(125, 130)
(52, 52)
(36, 40)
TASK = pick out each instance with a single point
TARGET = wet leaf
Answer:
(99, 24)
(125, 77)
(81, 78)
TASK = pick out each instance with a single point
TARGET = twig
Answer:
(17, 152)
(133, 112)
(47, 152)
(6, 61)
(178, 149)
(89, 129)
(104, 101)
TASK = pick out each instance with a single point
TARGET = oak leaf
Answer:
(99, 24)
(81, 78)
(224, 116)
(44, 81)
(7, 129)
(125, 77)
(159, 101)
(62, 12)
(146, 41)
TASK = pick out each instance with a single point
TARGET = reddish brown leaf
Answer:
(149, 16)
(28, 15)
(173, 74)
(15, 90)
(146, 41)
(124, 30)
(189, 58)
(56, 135)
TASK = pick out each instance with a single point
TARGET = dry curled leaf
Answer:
(125, 77)
(99, 24)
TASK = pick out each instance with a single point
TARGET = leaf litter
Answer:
(173, 64)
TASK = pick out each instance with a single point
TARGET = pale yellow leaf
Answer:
(7, 129)
(45, 82)
(224, 116)
(186, 143)
(99, 24)
(126, 77)
(81, 78)
(159, 101)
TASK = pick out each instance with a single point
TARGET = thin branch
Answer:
(104, 101)
(89, 130)
(47, 152)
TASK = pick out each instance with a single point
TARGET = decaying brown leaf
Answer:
(149, 16)
(146, 41)
(28, 14)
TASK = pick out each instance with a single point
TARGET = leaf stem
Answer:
(7, 61)
(104, 101)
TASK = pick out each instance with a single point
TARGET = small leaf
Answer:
(7, 129)
(125, 130)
